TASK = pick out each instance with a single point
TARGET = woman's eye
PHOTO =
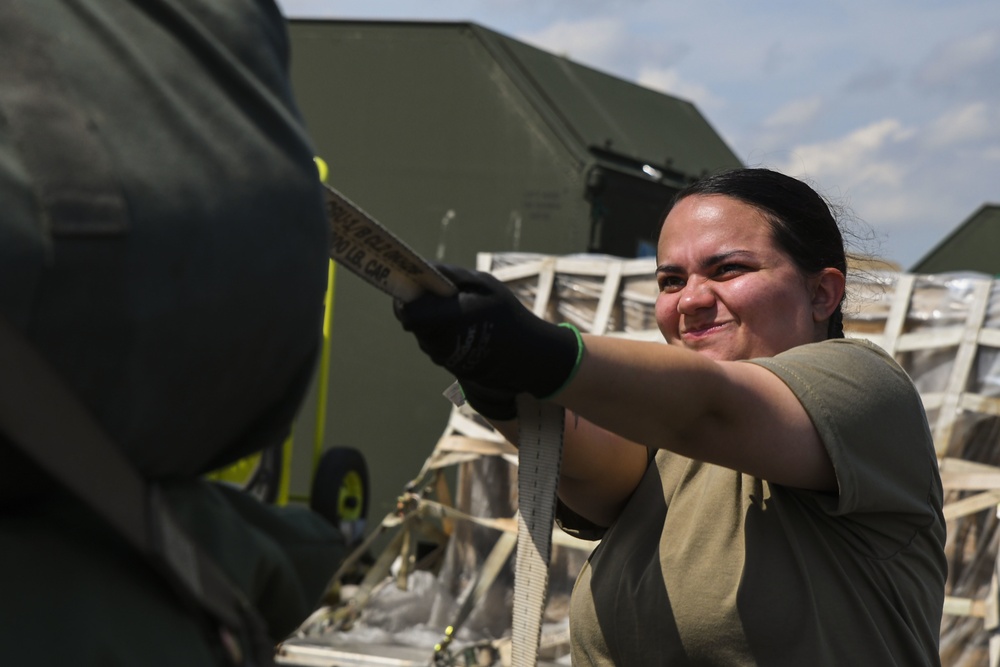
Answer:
(729, 269)
(670, 283)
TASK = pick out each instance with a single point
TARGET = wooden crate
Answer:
(943, 329)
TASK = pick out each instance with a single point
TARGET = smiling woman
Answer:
(766, 491)
(728, 291)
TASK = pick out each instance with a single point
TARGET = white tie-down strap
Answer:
(369, 250)
(540, 453)
(359, 243)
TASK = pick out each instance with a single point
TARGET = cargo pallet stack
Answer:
(944, 329)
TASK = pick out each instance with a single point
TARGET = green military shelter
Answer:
(972, 246)
(463, 140)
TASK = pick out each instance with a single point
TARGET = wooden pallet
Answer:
(944, 330)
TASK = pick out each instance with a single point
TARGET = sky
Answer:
(889, 108)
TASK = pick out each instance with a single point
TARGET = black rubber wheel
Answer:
(340, 491)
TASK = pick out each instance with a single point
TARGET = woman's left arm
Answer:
(734, 414)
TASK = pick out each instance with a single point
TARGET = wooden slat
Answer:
(957, 381)
(582, 266)
(896, 319)
(990, 337)
(928, 340)
(964, 607)
(953, 465)
(519, 271)
(609, 296)
(986, 405)
(546, 279)
(970, 481)
(971, 505)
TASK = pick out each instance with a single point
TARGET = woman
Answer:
(767, 490)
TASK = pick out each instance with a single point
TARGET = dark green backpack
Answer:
(163, 253)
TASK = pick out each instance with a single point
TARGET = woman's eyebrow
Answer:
(709, 261)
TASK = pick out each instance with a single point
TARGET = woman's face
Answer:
(726, 290)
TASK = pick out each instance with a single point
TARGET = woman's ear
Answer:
(827, 292)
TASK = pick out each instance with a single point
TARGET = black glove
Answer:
(496, 404)
(484, 334)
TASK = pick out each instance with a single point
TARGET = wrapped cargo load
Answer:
(943, 329)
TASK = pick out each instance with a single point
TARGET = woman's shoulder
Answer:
(840, 347)
(839, 357)
(851, 381)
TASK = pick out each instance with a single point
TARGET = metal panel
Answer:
(461, 141)
(607, 112)
(972, 246)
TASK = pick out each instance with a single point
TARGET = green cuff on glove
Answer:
(576, 363)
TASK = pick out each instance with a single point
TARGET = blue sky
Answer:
(890, 108)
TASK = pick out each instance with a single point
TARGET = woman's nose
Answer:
(697, 294)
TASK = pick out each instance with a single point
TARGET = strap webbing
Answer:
(43, 417)
(364, 247)
(375, 254)
(540, 453)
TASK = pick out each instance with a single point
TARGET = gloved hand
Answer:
(496, 404)
(484, 334)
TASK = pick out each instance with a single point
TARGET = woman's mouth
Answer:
(701, 332)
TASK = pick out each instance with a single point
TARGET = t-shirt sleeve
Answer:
(871, 421)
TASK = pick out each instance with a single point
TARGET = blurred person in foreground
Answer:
(163, 247)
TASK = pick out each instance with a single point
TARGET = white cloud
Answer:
(854, 159)
(587, 41)
(911, 183)
(668, 80)
(795, 114)
(893, 207)
(970, 123)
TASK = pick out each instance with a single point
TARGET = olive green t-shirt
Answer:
(709, 566)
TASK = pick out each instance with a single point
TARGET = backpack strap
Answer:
(43, 417)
